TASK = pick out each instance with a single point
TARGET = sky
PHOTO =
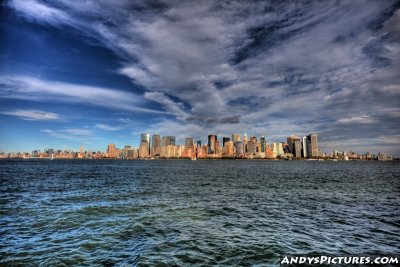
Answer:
(97, 71)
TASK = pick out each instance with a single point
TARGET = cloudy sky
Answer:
(98, 71)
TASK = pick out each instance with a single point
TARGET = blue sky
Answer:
(96, 72)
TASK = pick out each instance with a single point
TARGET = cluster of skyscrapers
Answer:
(236, 146)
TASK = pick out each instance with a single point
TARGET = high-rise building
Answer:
(235, 138)
(304, 147)
(224, 140)
(155, 145)
(290, 140)
(211, 143)
(111, 151)
(239, 148)
(297, 149)
(262, 143)
(145, 139)
(198, 143)
(228, 148)
(189, 142)
(168, 140)
(245, 143)
(312, 138)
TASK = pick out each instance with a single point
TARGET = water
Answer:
(204, 212)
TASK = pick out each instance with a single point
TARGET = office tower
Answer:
(228, 148)
(312, 139)
(199, 143)
(217, 150)
(189, 142)
(304, 147)
(224, 140)
(262, 143)
(245, 143)
(211, 143)
(297, 149)
(145, 139)
(290, 140)
(155, 141)
(239, 148)
(144, 149)
(155, 145)
(236, 138)
(111, 151)
(168, 141)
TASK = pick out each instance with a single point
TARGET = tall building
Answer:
(245, 143)
(262, 143)
(168, 140)
(145, 139)
(236, 138)
(211, 143)
(304, 147)
(189, 142)
(239, 148)
(155, 145)
(228, 149)
(198, 143)
(290, 140)
(224, 140)
(111, 151)
(312, 138)
(297, 149)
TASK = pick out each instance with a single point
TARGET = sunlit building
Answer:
(211, 143)
(312, 139)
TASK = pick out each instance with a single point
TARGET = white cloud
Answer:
(32, 114)
(29, 88)
(106, 127)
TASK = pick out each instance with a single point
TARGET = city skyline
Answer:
(101, 72)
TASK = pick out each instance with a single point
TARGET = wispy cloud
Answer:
(29, 88)
(71, 134)
(106, 127)
(32, 114)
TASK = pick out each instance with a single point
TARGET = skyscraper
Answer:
(304, 147)
(245, 143)
(312, 138)
(155, 145)
(189, 142)
(168, 141)
(235, 138)
(297, 149)
(211, 143)
(198, 143)
(262, 143)
(145, 139)
(224, 140)
(290, 140)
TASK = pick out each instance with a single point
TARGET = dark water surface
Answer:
(221, 212)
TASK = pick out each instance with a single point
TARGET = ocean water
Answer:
(194, 213)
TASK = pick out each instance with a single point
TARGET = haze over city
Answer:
(100, 72)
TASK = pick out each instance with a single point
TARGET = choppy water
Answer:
(228, 213)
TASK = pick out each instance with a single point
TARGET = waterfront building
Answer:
(155, 145)
(111, 151)
(198, 143)
(245, 143)
(168, 140)
(144, 149)
(189, 142)
(262, 143)
(224, 140)
(290, 141)
(312, 139)
(304, 147)
(236, 138)
(211, 143)
(277, 149)
(239, 148)
(228, 149)
(297, 149)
